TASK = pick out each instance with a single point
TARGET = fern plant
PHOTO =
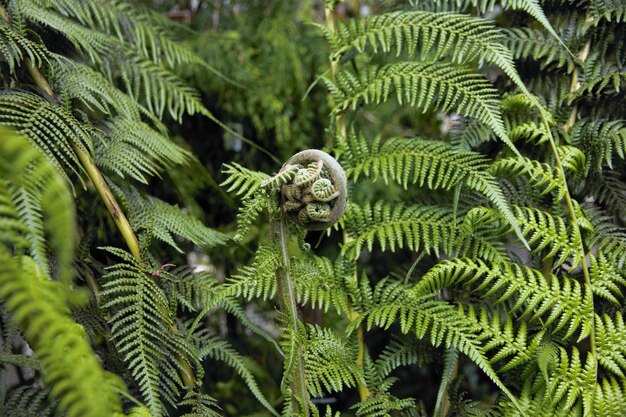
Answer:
(506, 230)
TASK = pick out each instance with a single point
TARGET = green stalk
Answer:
(341, 130)
(289, 307)
(120, 219)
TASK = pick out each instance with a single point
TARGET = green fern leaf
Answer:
(423, 85)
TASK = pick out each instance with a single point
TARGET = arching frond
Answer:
(536, 44)
(14, 48)
(437, 321)
(431, 163)
(560, 300)
(423, 85)
(133, 148)
(437, 34)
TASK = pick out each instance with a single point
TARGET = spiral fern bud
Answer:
(315, 193)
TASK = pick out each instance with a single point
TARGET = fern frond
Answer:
(606, 278)
(573, 380)
(463, 37)
(532, 7)
(140, 326)
(430, 228)
(250, 210)
(610, 398)
(39, 307)
(402, 352)
(318, 284)
(330, 364)
(202, 405)
(611, 10)
(53, 129)
(90, 42)
(437, 321)
(162, 220)
(435, 164)
(133, 148)
(215, 348)
(36, 208)
(610, 335)
(242, 181)
(423, 86)
(535, 44)
(259, 279)
(29, 401)
(542, 176)
(560, 299)
(15, 48)
(601, 139)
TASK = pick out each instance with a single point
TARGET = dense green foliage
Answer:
(479, 268)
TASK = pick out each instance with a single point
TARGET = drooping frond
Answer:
(437, 34)
(423, 85)
(394, 226)
(14, 48)
(211, 346)
(133, 148)
(53, 129)
(532, 7)
(141, 327)
(559, 300)
(535, 44)
(161, 220)
(542, 176)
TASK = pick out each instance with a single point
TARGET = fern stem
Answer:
(287, 301)
(120, 219)
(578, 236)
(340, 121)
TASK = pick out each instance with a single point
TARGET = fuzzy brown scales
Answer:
(313, 189)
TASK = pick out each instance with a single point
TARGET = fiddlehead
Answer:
(313, 189)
